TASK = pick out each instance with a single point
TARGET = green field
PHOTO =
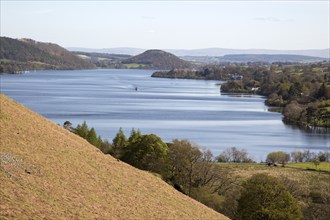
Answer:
(325, 166)
(239, 164)
(133, 65)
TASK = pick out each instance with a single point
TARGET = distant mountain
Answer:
(26, 54)
(244, 58)
(324, 53)
(157, 59)
(270, 58)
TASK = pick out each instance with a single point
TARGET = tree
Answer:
(278, 157)
(93, 139)
(323, 92)
(147, 152)
(82, 130)
(184, 158)
(106, 147)
(275, 100)
(323, 156)
(293, 112)
(316, 162)
(86, 133)
(134, 135)
(308, 156)
(234, 155)
(264, 198)
(297, 156)
(295, 89)
(119, 143)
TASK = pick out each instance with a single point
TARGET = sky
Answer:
(288, 25)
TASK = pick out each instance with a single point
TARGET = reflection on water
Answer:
(311, 130)
(275, 109)
(240, 95)
(170, 108)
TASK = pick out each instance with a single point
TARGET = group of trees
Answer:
(87, 133)
(283, 158)
(301, 89)
(146, 152)
(234, 155)
(194, 171)
(309, 156)
(180, 163)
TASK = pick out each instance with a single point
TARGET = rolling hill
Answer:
(157, 59)
(26, 54)
(47, 172)
(212, 52)
(270, 58)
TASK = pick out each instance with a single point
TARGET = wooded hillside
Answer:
(23, 55)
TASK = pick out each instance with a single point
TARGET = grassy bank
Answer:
(323, 166)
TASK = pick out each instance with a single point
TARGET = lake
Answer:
(171, 108)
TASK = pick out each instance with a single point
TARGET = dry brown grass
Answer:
(49, 173)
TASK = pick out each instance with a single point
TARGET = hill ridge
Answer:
(55, 174)
(212, 51)
(158, 59)
(17, 55)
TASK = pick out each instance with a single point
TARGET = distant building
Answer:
(68, 126)
(236, 76)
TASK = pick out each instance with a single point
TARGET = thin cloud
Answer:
(290, 20)
(148, 17)
(150, 31)
(268, 19)
(41, 12)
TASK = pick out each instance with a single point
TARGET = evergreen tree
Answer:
(82, 130)
(99, 141)
(134, 136)
(323, 92)
(119, 143)
(92, 138)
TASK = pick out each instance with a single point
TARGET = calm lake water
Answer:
(170, 108)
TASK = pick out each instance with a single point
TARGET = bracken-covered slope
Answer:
(48, 172)
(158, 59)
(26, 54)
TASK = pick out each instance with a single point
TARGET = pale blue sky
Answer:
(170, 24)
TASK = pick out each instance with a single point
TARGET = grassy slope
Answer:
(48, 172)
(310, 165)
(245, 171)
